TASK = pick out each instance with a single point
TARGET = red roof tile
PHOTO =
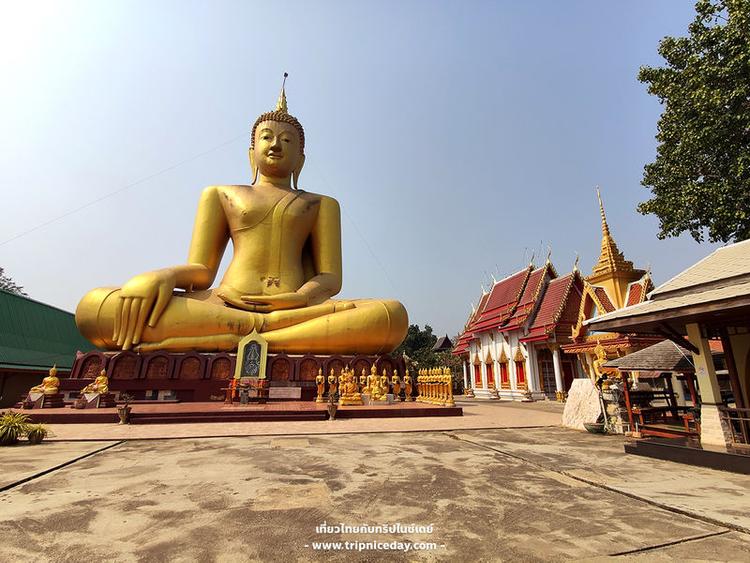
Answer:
(635, 292)
(502, 301)
(601, 295)
(555, 302)
(530, 297)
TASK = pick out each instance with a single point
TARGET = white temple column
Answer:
(557, 364)
(532, 375)
(711, 429)
(463, 367)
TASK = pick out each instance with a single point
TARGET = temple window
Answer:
(520, 374)
(504, 375)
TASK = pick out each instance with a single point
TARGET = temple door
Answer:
(568, 375)
(547, 374)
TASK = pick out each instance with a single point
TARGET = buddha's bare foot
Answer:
(214, 343)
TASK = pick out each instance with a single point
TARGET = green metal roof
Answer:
(34, 335)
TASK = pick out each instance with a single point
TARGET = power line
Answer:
(361, 236)
(122, 189)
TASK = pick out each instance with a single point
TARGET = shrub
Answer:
(13, 425)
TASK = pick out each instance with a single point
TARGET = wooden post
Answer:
(628, 405)
(734, 380)
(690, 380)
(672, 401)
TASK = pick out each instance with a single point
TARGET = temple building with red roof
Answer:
(511, 341)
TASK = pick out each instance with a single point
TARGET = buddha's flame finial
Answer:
(281, 104)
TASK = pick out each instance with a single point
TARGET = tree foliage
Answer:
(418, 348)
(700, 180)
(7, 283)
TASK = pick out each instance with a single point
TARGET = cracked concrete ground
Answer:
(534, 494)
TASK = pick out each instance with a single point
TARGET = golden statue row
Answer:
(435, 386)
(350, 388)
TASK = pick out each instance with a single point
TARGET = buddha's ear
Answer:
(253, 169)
(298, 171)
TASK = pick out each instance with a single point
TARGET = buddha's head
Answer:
(277, 144)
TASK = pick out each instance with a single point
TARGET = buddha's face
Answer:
(276, 150)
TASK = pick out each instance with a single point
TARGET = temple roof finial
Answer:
(281, 103)
(605, 226)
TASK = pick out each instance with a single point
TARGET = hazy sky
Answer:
(457, 136)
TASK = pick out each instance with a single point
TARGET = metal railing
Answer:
(737, 422)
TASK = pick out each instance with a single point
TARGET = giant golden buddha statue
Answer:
(285, 269)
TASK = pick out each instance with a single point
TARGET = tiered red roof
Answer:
(502, 301)
(462, 345)
(530, 297)
(559, 307)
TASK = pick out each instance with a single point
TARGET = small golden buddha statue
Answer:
(50, 385)
(320, 381)
(372, 379)
(407, 386)
(363, 381)
(331, 383)
(598, 363)
(384, 382)
(285, 269)
(396, 384)
(100, 384)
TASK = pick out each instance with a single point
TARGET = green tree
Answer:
(700, 179)
(7, 283)
(418, 346)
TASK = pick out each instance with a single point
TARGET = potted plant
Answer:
(332, 405)
(12, 426)
(35, 433)
(123, 410)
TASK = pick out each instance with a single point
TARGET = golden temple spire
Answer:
(605, 226)
(281, 103)
(610, 259)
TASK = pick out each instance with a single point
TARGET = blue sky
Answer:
(458, 137)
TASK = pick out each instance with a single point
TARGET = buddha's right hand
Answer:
(142, 300)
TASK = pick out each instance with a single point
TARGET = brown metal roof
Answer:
(664, 356)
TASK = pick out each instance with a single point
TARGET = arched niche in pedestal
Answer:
(361, 362)
(191, 366)
(308, 368)
(281, 368)
(89, 365)
(335, 363)
(125, 365)
(221, 367)
(157, 366)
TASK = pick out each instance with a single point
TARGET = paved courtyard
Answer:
(513, 494)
